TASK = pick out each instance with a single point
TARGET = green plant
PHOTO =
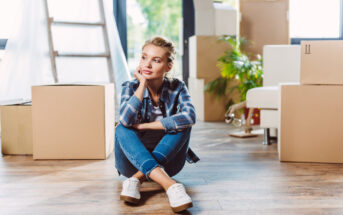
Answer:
(238, 71)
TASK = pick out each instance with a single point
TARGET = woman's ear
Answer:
(169, 66)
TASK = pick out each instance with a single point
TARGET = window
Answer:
(6, 14)
(145, 19)
(314, 19)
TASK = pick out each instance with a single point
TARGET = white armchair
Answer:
(281, 64)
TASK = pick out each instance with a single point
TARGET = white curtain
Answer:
(27, 61)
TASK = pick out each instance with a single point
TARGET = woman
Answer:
(156, 115)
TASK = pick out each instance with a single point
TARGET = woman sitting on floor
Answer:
(156, 115)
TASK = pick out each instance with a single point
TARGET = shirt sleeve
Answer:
(129, 106)
(185, 116)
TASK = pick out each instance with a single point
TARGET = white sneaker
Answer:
(178, 198)
(130, 191)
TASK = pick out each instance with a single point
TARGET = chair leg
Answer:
(266, 137)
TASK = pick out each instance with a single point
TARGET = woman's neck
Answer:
(155, 86)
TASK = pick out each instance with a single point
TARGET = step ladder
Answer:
(55, 53)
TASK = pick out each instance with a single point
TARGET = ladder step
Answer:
(57, 54)
(76, 23)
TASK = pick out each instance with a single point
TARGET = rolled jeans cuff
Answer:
(148, 166)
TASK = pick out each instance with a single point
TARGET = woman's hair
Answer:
(164, 43)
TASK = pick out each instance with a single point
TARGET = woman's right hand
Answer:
(142, 84)
(139, 76)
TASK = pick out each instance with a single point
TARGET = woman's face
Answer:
(154, 62)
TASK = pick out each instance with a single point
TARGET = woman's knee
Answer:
(120, 128)
(122, 131)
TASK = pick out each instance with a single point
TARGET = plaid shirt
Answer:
(175, 104)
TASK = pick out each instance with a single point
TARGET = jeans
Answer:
(131, 154)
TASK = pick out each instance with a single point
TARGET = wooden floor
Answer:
(234, 176)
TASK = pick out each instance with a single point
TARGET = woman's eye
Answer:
(157, 61)
(143, 58)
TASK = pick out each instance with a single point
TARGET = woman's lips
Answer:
(147, 72)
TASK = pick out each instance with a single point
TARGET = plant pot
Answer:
(255, 119)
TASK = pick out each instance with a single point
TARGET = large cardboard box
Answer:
(16, 129)
(264, 23)
(321, 62)
(305, 134)
(73, 121)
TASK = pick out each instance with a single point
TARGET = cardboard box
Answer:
(73, 121)
(16, 129)
(320, 62)
(208, 107)
(305, 134)
(264, 23)
(204, 52)
(226, 20)
(214, 19)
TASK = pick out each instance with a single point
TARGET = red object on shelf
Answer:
(256, 116)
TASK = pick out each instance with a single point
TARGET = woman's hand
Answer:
(142, 84)
(139, 126)
(156, 125)
(138, 75)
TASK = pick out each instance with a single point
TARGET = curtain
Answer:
(27, 61)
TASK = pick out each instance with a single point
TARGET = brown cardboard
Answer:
(208, 107)
(73, 122)
(320, 62)
(204, 52)
(264, 22)
(16, 130)
(305, 134)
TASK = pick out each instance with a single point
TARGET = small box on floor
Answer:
(73, 121)
(321, 62)
(16, 129)
(311, 128)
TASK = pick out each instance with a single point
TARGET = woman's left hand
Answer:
(139, 126)
(156, 125)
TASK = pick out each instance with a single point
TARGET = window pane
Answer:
(147, 18)
(314, 18)
(8, 11)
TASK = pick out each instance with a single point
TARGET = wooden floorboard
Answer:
(234, 176)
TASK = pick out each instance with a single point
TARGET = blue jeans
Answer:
(131, 154)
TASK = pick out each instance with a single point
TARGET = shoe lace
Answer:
(132, 185)
(179, 191)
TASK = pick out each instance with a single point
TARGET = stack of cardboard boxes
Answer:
(311, 123)
(212, 20)
(203, 59)
(65, 121)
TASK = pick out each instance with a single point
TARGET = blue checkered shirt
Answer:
(175, 104)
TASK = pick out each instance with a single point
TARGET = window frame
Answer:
(3, 43)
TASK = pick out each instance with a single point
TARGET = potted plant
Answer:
(238, 71)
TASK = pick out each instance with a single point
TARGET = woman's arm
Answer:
(186, 116)
(131, 101)
(184, 119)
(142, 85)
(157, 125)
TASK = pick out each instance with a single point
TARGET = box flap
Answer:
(15, 102)
(76, 84)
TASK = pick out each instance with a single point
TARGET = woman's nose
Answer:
(147, 63)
